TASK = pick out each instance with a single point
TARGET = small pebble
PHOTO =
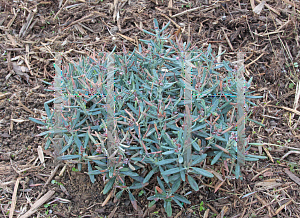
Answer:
(57, 178)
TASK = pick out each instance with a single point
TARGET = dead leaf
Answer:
(18, 120)
(268, 174)
(21, 70)
(252, 4)
(292, 176)
(158, 189)
(259, 7)
(267, 185)
(5, 135)
(41, 155)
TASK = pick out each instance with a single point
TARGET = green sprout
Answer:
(201, 207)
(74, 169)
(141, 193)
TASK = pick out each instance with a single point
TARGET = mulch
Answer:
(32, 31)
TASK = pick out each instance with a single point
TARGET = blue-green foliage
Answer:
(149, 111)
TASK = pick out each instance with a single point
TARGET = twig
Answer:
(290, 152)
(170, 20)
(26, 25)
(269, 33)
(197, 8)
(297, 96)
(26, 108)
(260, 174)
(227, 39)
(12, 19)
(127, 38)
(286, 108)
(187, 11)
(260, 144)
(52, 175)
(60, 10)
(252, 62)
(81, 20)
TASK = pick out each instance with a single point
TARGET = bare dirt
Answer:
(32, 31)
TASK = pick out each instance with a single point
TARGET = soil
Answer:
(32, 31)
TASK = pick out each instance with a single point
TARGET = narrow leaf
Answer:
(171, 171)
(202, 172)
(164, 162)
(193, 183)
(109, 185)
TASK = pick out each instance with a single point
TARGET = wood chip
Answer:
(60, 9)
(52, 175)
(218, 186)
(21, 70)
(265, 204)
(212, 208)
(201, 8)
(112, 213)
(291, 3)
(12, 19)
(38, 203)
(282, 206)
(206, 213)
(223, 212)
(26, 25)
(179, 214)
(272, 9)
(252, 62)
(14, 199)
(11, 38)
(4, 95)
(107, 198)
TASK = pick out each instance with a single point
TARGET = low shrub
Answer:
(161, 113)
